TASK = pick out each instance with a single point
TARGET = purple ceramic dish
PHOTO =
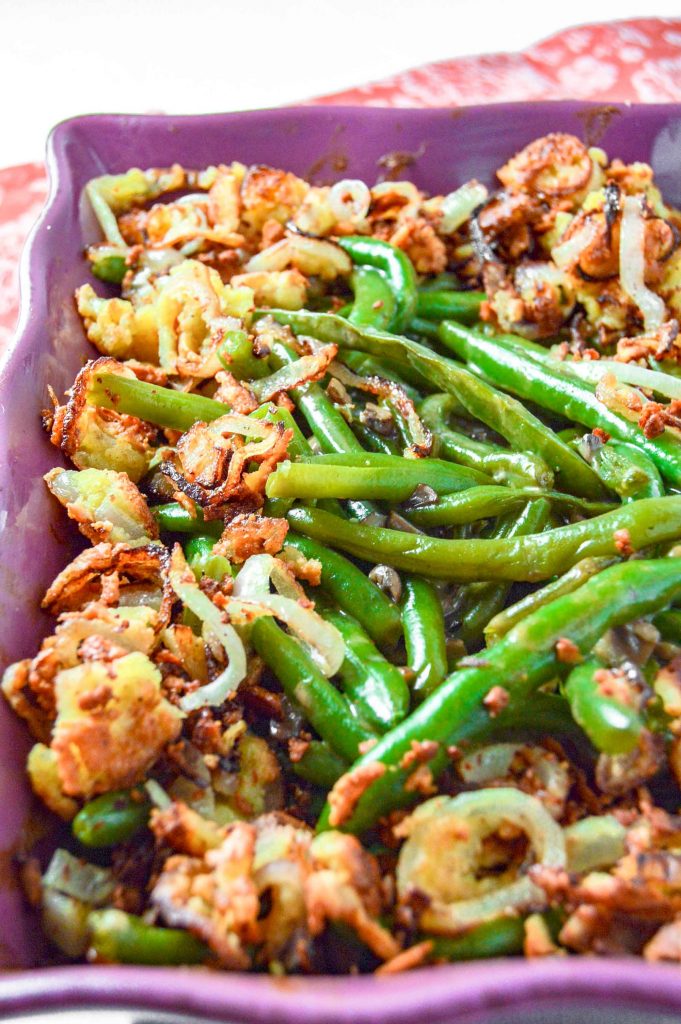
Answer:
(437, 149)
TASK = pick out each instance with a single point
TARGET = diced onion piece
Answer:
(440, 859)
(79, 879)
(632, 264)
(324, 641)
(459, 205)
(350, 199)
(596, 842)
(215, 632)
(566, 254)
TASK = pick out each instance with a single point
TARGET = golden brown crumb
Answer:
(297, 748)
(622, 540)
(366, 745)
(421, 781)
(349, 788)
(496, 700)
(537, 941)
(419, 752)
(567, 651)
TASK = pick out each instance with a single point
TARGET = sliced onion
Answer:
(566, 254)
(632, 264)
(629, 373)
(441, 855)
(324, 641)
(217, 634)
(459, 205)
(307, 368)
(350, 199)
(314, 256)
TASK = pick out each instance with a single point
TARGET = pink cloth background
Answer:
(637, 60)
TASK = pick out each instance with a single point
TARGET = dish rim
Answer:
(456, 991)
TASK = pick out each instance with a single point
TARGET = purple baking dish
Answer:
(437, 149)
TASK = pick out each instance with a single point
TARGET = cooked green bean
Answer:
(122, 938)
(565, 584)
(631, 527)
(111, 818)
(352, 591)
(424, 635)
(501, 412)
(503, 465)
(517, 665)
(376, 688)
(611, 725)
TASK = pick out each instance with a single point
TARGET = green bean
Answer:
(373, 441)
(235, 352)
(505, 363)
(108, 264)
(375, 303)
(616, 469)
(502, 937)
(325, 421)
(669, 625)
(641, 524)
(486, 501)
(111, 818)
(449, 305)
(654, 484)
(123, 938)
(319, 765)
(424, 635)
(504, 414)
(177, 410)
(174, 518)
(518, 664)
(352, 591)
(612, 726)
(484, 600)
(369, 475)
(395, 265)
(324, 707)
(501, 464)
(565, 584)
(375, 688)
(202, 561)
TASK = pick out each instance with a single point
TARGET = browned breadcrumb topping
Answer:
(421, 781)
(496, 700)
(656, 417)
(420, 752)
(567, 651)
(349, 788)
(622, 539)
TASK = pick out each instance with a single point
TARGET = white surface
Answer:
(59, 58)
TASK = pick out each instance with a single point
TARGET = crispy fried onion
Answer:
(304, 370)
(214, 460)
(117, 575)
(322, 640)
(96, 438)
(194, 311)
(249, 534)
(445, 851)
(421, 439)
